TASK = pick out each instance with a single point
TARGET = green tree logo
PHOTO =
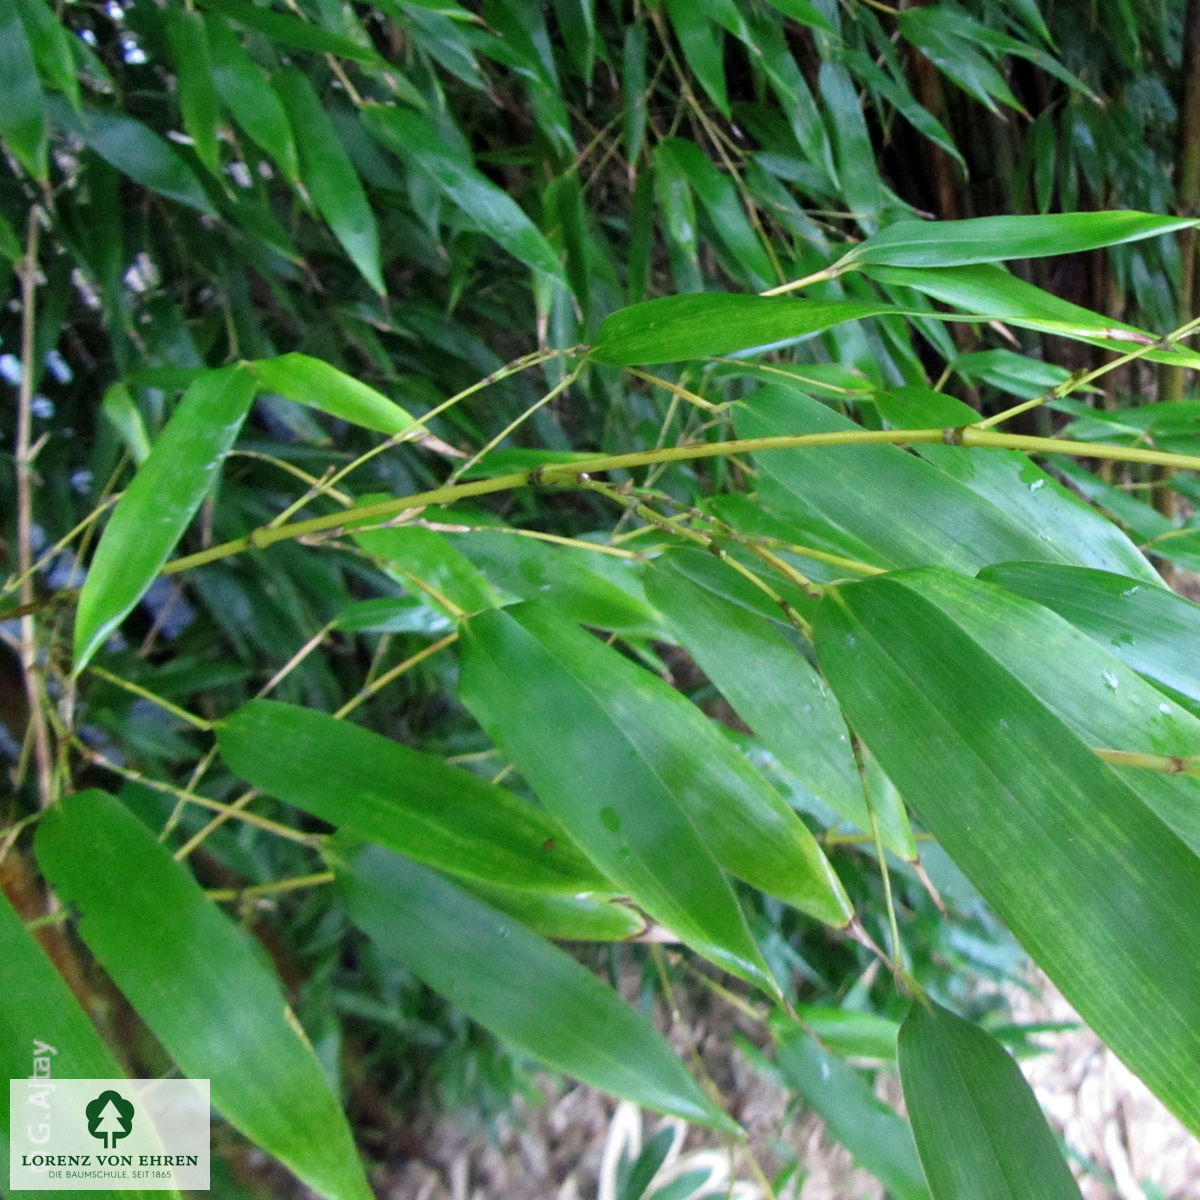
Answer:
(109, 1117)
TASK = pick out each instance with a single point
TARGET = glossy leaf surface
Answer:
(411, 802)
(319, 385)
(965, 515)
(159, 503)
(524, 990)
(204, 992)
(996, 239)
(977, 1125)
(1095, 885)
(1151, 629)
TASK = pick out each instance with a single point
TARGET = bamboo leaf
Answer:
(582, 918)
(289, 30)
(251, 99)
(880, 1141)
(995, 239)
(664, 797)
(319, 385)
(676, 328)
(962, 510)
(197, 96)
(516, 984)
(137, 151)
(401, 798)
(159, 503)
(492, 211)
(199, 986)
(978, 1127)
(770, 684)
(23, 112)
(329, 175)
(51, 46)
(1100, 891)
(1145, 627)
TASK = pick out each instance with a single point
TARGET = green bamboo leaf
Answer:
(633, 91)
(37, 1006)
(401, 798)
(125, 417)
(524, 990)
(962, 510)
(677, 215)
(10, 245)
(1103, 701)
(978, 1127)
(197, 96)
(320, 385)
(51, 46)
(770, 684)
(136, 151)
(995, 239)
(666, 797)
(804, 12)
(861, 187)
(719, 198)
(429, 565)
(46, 1034)
(880, 1141)
(702, 43)
(1064, 847)
(248, 95)
(990, 292)
(200, 986)
(492, 211)
(294, 31)
(329, 175)
(23, 112)
(159, 503)
(583, 918)
(1145, 627)
(676, 328)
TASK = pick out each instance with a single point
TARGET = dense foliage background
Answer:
(336, 341)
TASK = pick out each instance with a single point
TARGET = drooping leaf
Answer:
(401, 798)
(197, 95)
(978, 1127)
(322, 386)
(159, 503)
(670, 753)
(137, 151)
(1063, 846)
(329, 175)
(492, 211)
(23, 112)
(879, 1139)
(526, 991)
(51, 45)
(250, 97)
(581, 918)
(770, 684)
(203, 991)
(644, 784)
